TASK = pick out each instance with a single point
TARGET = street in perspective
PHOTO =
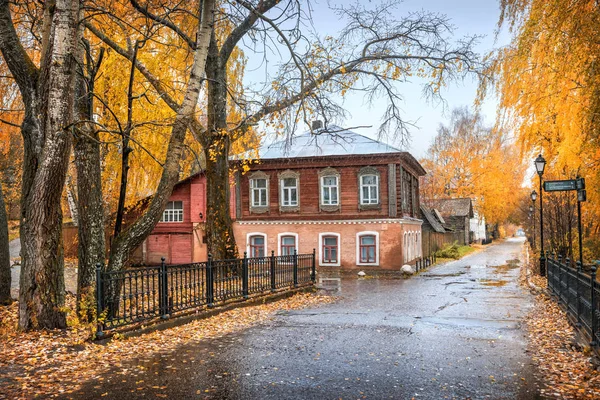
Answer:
(454, 331)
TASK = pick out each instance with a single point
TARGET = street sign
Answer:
(581, 195)
(580, 183)
(559, 186)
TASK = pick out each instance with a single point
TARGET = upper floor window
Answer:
(330, 190)
(409, 193)
(368, 188)
(259, 192)
(173, 212)
(289, 190)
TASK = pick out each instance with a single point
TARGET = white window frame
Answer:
(253, 189)
(280, 235)
(249, 235)
(289, 189)
(174, 212)
(362, 199)
(377, 250)
(337, 189)
(339, 241)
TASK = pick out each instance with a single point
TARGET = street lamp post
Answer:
(532, 215)
(540, 164)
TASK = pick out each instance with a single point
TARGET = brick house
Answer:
(353, 199)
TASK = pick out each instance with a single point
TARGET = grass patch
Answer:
(454, 251)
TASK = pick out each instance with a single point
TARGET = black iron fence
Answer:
(141, 294)
(424, 262)
(578, 291)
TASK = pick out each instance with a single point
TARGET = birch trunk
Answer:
(47, 95)
(72, 200)
(134, 235)
(4, 254)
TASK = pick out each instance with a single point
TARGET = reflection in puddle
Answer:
(330, 284)
(492, 282)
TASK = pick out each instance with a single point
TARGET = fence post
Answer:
(210, 295)
(99, 301)
(295, 268)
(245, 275)
(564, 295)
(593, 307)
(557, 274)
(163, 291)
(272, 270)
(313, 271)
(577, 296)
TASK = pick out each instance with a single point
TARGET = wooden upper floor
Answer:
(330, 187)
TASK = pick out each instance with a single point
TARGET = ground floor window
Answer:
(288, 245)
(330, 250)
(368, 249)
(257, 245)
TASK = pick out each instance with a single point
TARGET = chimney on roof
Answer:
(316, 125)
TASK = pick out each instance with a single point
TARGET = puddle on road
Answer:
(443, 275)
(471, 322)
(492, 282)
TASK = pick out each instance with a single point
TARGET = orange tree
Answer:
(548, 82)
(469, 159)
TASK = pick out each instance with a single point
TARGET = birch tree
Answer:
(47, 94)
(5, 278)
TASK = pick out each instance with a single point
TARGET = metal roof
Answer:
(334, 141)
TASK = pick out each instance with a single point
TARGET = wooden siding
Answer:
(308, 194)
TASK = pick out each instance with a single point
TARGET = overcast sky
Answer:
(470, 17)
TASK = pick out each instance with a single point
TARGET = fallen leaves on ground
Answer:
(565, 370)
(53, 363)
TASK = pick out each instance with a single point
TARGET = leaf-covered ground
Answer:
(52, 363)
(566, 370)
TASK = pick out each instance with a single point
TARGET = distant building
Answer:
(456, 215)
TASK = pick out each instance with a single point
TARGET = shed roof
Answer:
(334, 141)
(429, 216)
(455, 207)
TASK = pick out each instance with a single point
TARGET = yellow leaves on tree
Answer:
(548, 83)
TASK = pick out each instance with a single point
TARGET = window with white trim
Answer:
(330, 190)
(288, 245)
(173, 212)
(257, 245)
(330, 250)
(367, 249)
(369, 189)
(289, 192)
(258, 189)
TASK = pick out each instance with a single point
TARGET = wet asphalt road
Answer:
(451, 332)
